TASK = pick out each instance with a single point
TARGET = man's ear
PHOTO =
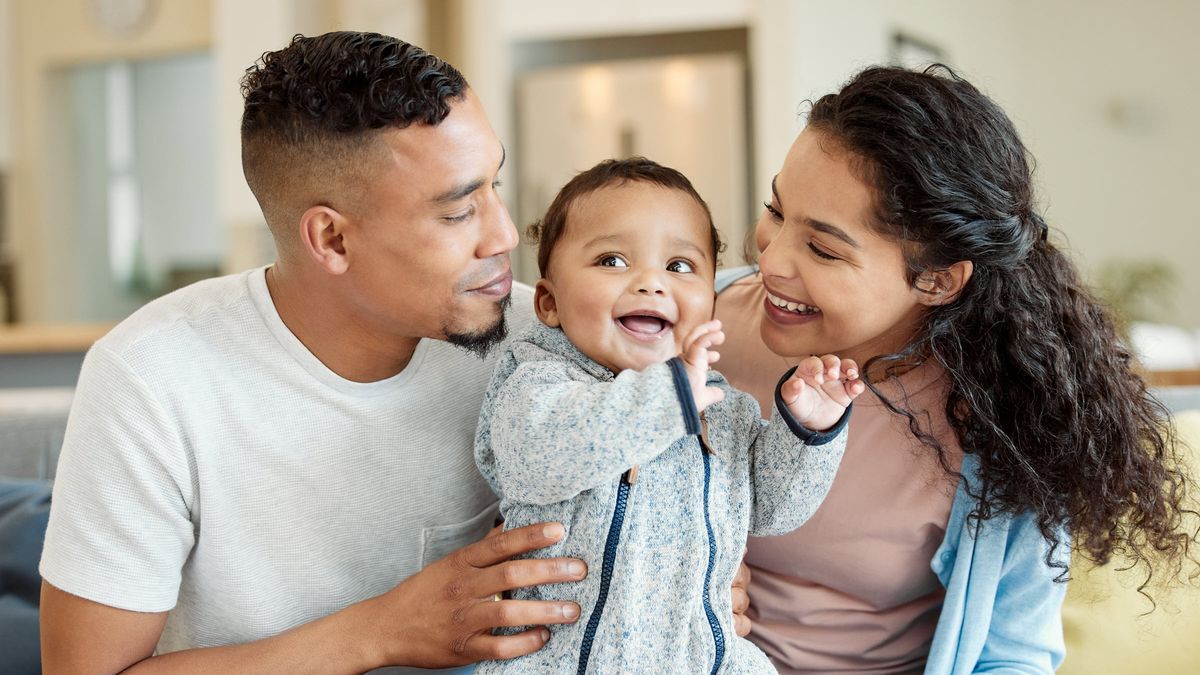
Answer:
(321, 235)
(940, 287)
(544, 304)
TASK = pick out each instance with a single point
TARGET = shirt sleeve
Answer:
(791, 467)
(553, 437)
(1002, 609)
(120, 520)
(1025, 634)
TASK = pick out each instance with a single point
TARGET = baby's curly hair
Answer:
(313, 108)
(611, 172)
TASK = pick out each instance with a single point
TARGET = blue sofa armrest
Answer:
(24, 512)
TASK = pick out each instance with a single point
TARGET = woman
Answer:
(901, 232)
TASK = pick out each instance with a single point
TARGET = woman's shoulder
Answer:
(744, 276)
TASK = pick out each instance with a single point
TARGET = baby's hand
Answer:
(696, 359)
(816, 395)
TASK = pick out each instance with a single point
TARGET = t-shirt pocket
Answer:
(440, 540)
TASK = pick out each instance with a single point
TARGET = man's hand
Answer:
(441, 616)
(741, 600)
(444, 615)
(821, 389)
(697, 356)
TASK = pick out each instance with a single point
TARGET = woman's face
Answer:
(843, 287)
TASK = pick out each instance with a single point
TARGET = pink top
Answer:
(851, 590)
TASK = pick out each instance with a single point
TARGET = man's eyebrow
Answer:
(832, 231)
(460, 191)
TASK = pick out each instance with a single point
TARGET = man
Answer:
(255, 462)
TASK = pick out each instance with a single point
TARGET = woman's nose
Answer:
(777, 258)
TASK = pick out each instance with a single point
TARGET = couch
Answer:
(1109, 627)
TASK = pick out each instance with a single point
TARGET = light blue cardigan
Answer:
(1002, 610)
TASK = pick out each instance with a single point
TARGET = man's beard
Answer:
(480, 342)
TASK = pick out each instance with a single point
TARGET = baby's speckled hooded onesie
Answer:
(557, 439)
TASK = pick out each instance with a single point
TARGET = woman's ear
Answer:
(544, 304)
(939, 287)
(322, 232)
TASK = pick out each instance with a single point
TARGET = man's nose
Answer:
(499, 236)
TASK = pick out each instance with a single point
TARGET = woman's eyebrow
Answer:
(832, 230)
(818, 225)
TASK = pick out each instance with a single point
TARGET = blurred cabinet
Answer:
(687, 112)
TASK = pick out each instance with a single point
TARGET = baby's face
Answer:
(631, 276)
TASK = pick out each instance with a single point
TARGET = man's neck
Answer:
(331, 332)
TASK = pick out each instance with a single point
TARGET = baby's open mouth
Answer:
(645, 325)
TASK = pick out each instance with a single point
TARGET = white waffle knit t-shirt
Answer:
(215, 469)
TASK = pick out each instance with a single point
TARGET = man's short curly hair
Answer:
(314, 108)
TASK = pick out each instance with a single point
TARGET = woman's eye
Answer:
(821, 254)
(772, 211)
(613, 261)
(680, 266)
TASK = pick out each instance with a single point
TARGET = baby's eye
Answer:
(680, 266)
(613, 261)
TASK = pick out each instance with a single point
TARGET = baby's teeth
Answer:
(793, 306)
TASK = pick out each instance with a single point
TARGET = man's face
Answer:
(631, 276)
(428, 252)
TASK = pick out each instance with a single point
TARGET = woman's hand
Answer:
(821, 389)
(697, 357)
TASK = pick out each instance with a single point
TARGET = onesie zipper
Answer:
(718, 634)
(610, 559)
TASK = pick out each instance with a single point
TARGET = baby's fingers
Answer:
(710, 340)
(698, 352)
(832, 366)
(792, 389)
(811, 370)
(850, 369)
(855, 387)
(700, 331)
(854, 383)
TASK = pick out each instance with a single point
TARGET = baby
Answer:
(605, 417)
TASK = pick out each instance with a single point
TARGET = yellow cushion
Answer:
(1101, 615)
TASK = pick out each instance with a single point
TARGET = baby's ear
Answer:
(544, 304)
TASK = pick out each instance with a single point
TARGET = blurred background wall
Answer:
(120, 158)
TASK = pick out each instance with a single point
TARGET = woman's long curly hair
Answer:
(1041, 388)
